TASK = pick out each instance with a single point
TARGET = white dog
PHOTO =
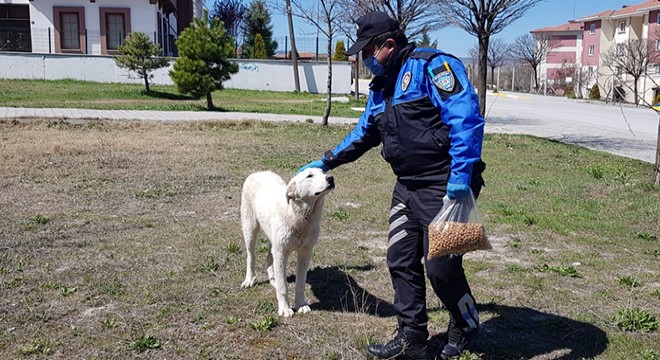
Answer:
(290, 216)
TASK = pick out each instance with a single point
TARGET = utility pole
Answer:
(294, 52)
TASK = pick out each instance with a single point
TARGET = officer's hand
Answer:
(315, 164)
(457, 191)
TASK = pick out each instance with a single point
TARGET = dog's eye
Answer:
(310, 175)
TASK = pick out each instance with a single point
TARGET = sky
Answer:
(457, 41)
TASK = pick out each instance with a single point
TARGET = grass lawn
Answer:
(89, 95)
(122, 240)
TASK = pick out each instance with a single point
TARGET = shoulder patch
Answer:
(405, 81)
(445, 81)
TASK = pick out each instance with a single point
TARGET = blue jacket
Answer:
(425, 113)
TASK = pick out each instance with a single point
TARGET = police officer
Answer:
(425, 112)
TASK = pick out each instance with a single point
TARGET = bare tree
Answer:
(533, 49)
(483, 19)
(326, 25)
(414, 16)
(232, 13)
(497, 54)
(633, 58)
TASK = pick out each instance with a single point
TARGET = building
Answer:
(93, 27)
(582, 43)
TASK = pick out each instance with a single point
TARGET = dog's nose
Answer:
(330, 180)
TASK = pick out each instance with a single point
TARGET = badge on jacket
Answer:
(406, 81)
(445, 81)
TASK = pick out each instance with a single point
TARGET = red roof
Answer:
(631, 9)
(570, 26)
(600, 15)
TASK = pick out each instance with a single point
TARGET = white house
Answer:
(94, 27)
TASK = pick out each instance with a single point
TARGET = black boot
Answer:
(408, 344)
(457, 340)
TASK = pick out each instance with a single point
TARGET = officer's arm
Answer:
(363, 137)
(452, 92)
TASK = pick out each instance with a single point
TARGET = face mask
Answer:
(373, 65)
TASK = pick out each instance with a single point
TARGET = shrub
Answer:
(594, 94)
(203, 62)
(140, 55)
(569, 92)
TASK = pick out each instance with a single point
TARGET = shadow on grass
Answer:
(338, 291)
(167, 95)
(523, 333)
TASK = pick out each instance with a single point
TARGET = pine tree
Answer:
(140, 55)
(340, 52)
(259, 48)
(258, 22)
(203, 63)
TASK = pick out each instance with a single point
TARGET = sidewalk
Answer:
(165, 116)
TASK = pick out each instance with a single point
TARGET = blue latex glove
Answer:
(315, 164)
(457, 191)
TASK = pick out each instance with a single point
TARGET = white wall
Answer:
(143, 19)
(253, 75)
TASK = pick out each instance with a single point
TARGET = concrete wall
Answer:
(253, 74)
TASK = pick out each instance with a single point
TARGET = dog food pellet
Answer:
(456, 238)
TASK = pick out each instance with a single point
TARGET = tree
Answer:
(232, 13)
(533, 49)
(202, 66)
(140, 55)
(632, 57)
(340, 52)
(259, 48)
(326, 24)
(414, 16)
(258, 22)
(497, 53)
(484, 19)
(425, 42)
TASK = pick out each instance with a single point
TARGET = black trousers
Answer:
(414, 205)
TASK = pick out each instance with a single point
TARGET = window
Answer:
(657, 44)
(590, 71)
(657, 20)
(115, 25)
(657, 68)
(592, 28)
(622, 26)
(620, 49)
(15, 28)
(619, 70)
(592, 50)
(70, 29)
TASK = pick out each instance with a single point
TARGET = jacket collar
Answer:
(387, 81)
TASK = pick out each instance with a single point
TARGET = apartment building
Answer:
(581, 43)
(92, 27)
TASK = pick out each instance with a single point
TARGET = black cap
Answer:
(369, 26)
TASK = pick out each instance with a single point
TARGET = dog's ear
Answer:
(291, 191)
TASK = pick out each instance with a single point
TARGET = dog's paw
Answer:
(286, 312)
(304, 309)
(249, 282)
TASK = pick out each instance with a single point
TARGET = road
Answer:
(624, 130)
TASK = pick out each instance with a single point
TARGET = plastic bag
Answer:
(457, 228)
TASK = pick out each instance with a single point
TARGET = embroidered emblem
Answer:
(445, 81)
(406, 81)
